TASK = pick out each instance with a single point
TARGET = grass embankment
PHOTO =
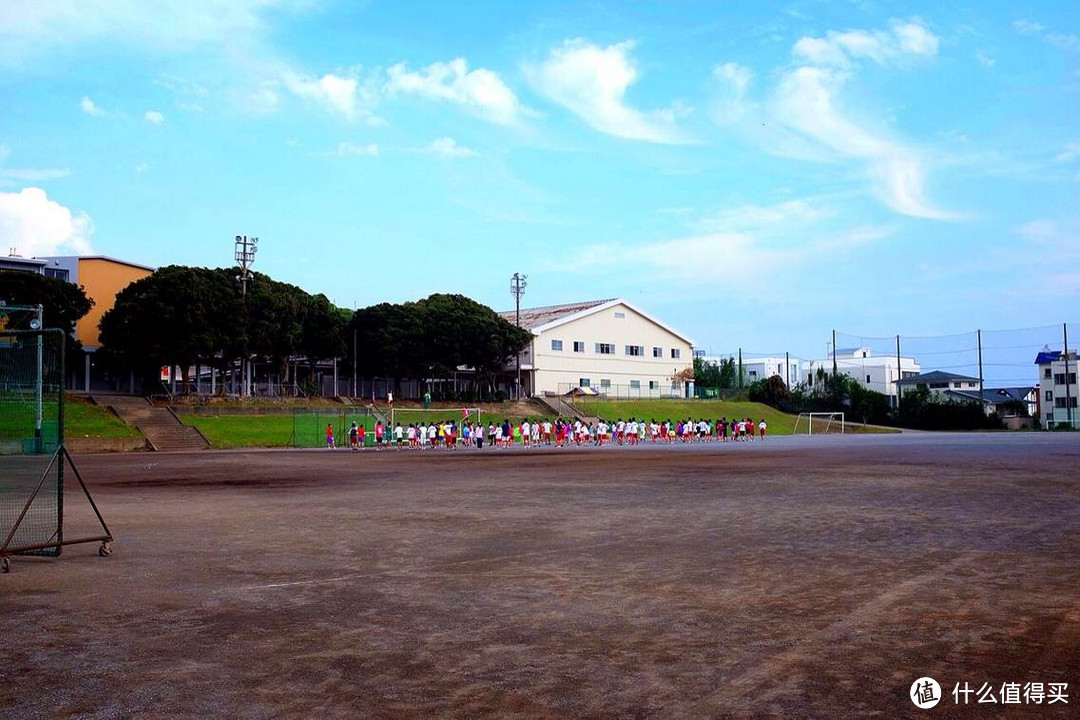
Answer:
(309, 429)
(83, 418)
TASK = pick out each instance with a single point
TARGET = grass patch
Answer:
(82, 418)
(239, 431)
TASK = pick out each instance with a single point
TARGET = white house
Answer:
(1057, 387)
(610, 346)
(945, 385)
(878, 373)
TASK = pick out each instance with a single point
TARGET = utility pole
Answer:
(899, 373)
(517, 289)
(978, 343)
(245, 249)
(40, 380)
(740, 369)
(1068, 391)
(834, 373)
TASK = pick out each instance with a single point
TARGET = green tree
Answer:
(64, 303)
(176, 316)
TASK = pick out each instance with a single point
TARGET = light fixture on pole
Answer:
(517, 289)
(245, 250)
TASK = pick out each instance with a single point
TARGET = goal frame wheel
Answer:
(105, 549)
(5, 565)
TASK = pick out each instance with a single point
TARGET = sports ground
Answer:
(800, 577)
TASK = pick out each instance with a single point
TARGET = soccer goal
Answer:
(33, 457)
(819, 422)
(418, 416)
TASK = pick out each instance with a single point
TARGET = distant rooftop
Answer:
(535, 317)
(936, 376)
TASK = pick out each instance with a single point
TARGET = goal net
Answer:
(817, 423)
(32, 453)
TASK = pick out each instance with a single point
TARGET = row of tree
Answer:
(189, 316)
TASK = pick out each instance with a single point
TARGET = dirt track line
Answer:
(411, 570)
(758, 684)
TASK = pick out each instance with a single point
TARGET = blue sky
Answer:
(754, 174)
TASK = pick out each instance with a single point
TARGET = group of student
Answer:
(450, 434)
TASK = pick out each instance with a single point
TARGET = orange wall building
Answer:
(102, 278)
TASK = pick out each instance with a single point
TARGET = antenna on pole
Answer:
(517, 289)
(245, 257)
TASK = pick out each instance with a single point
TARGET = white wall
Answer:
(554, 368)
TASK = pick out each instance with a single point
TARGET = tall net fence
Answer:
(1001, 360)
(310, 426)
(31, 417)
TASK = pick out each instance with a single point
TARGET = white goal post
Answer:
(825, 422)
(417, 416)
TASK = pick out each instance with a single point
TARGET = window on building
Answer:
(867, 378)
(1049, 395)
(620, 315)
(752, 373)
(864, 353)
(1047, 373)
(1060, 379)
(556, 345)
(675, 353)
(658, 352)
(939, 386)
(1050, 417)
(579, 346)
(635, 384)
(605, 382)
(58, 273)
(1069, 402)
(654, 385)
(605, 348)
(971, 384)
(583, 382)
(635, 350)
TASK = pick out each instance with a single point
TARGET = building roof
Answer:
(545, 318)
(100, 257)
(1047, 356)
(993, 395)
(20, 260)
(532, 318)
(935, 376)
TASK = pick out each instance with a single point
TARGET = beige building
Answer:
(608, 346)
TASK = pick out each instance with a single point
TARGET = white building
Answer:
(787, 368)
(877, 373)
(1057, 387)
(610, 346)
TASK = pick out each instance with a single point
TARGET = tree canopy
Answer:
(64, 303)
(185, 316)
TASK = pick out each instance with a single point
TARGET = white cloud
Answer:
(9, 176)
(789, 215)
(592, 81)
(90, 108)
(39, 29)
(805, 102)
(348, 149)
(141, 168)
(481, 91)
(985, 60)
(153, 116)
(448, 147)
(339, 94)
(1063, 41)
(1070, 151)
(733, 81)
(840, 49)
(1027, 27)
(35, 225)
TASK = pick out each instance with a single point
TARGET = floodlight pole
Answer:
(517, 289)
(245, 249)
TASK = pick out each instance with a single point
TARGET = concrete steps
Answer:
(159, 425)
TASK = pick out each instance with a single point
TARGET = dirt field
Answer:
(799, 577)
